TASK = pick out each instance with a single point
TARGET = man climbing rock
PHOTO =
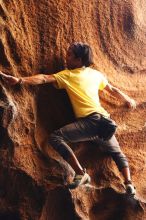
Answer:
(93, 122)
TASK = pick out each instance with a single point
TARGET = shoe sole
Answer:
(86, 179)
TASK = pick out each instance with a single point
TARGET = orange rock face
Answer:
(34, 36)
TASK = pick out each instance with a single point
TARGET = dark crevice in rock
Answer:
(111, 205)
(60, 206)
(3, 58)
(53, 114)
(13, 47)
(21, 191)
(6, 116)
(128, 23)
(2, 13)
(9, 216)
(4, 138)
(3, 96)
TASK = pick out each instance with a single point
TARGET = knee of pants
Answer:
(120, 159)
(55, 137)
(57, 142)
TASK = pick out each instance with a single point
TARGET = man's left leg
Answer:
(113, 149)
(81, 130)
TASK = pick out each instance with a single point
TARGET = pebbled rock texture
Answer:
(34, 36)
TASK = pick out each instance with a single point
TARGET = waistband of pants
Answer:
(98, 114)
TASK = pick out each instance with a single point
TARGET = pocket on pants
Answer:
(107, 128)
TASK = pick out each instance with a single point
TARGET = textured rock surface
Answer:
(34, 36)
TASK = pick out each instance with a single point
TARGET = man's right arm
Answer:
(30, 80)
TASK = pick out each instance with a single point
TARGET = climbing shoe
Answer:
(80, 180)
(130, 189)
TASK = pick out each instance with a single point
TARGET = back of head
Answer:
(84, 52)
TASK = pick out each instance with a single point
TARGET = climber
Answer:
(93, 122)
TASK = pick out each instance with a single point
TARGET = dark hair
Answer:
(84, 52)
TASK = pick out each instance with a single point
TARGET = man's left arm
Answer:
(119, 94)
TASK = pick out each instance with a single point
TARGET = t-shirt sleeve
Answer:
(62, 79)
(103, 82)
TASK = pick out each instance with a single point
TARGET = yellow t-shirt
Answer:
(82, 86)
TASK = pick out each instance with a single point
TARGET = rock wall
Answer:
(34, 36)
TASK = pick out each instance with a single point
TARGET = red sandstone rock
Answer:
(34, 36)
